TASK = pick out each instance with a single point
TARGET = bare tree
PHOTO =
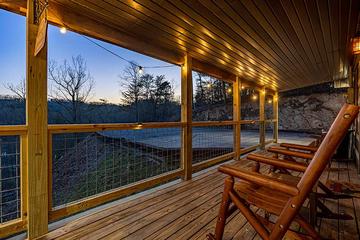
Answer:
(72, 85)
(18, 89)
(133, 85)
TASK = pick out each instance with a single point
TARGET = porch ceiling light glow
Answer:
(356, 44)
(63, 30)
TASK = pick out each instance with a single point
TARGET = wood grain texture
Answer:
(277, 43)
(36, 121)
(188, 210)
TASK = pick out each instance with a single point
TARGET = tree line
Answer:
(144, 97)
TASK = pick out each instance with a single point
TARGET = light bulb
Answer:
(140, 70)
(63, 30)
(254, 97)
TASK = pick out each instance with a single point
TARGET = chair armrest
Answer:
(295, 166)
(299, 147)
(259, 179)
(286, 152)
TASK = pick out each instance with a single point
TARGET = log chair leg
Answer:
(313, 208)
(308, 228)
(256, 167)
(223, 211)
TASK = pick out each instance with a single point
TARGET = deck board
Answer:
(188, 210)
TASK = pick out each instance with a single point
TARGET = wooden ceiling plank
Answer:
(300, 32)
(260, 7)
(166, 5)
(202, 17)
(241, 28)
(158, 35)
(311, 8)
(147, 16)
(334, 29)
(244, 19)
(306, 24)
(295, 43)
(104, 12)
(323, 13)
(282, 19)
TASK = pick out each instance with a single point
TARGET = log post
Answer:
(36, 120)
(186, 117)
(276, 116)
(262, 116)
(237, 117)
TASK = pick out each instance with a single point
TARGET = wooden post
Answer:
(237, 117)
(36, 120)
(186, 117)
(262, 117)
(276, 116)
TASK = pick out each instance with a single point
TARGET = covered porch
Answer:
(253, 50)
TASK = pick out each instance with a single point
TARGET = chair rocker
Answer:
(276, 196)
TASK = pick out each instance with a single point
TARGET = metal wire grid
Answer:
(250, 104)
(86, 164)
(210, 142)
(250, 135)
(212, 99)
(269, 107)
(269, 131)
(10, 200)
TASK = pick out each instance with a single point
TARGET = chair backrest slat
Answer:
(326, 150)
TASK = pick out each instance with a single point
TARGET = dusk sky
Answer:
(103, 66)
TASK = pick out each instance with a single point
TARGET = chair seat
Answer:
(293, 180)
(261, 197)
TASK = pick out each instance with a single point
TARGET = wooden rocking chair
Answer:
(276, 196)
(289, 152)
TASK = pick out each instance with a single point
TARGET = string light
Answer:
(229, 90)
(269, 101)
(63, 30)
(208, 85)
(242, 87)
(254, 97)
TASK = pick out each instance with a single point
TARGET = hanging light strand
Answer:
(114, 53)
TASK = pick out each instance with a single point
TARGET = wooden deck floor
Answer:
(188, 210)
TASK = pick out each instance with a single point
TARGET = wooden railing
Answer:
(39, 149)
(18, 224)
(57, 212)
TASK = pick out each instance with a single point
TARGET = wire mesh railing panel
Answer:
(212, 141)
(10, 201)
(250, 135)
(212, 98)
(86, 164)
(269, 131)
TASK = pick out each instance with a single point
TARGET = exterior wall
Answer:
(309, 113)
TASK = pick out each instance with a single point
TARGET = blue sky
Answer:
(103, 66)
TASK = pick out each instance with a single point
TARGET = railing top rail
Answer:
(64, 128)
(11, 130)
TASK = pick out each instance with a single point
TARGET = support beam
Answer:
(186, 117)
(276, 116)
(237, 116)
(36, 120)
(262, 94)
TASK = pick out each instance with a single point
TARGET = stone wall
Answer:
(309, 113)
